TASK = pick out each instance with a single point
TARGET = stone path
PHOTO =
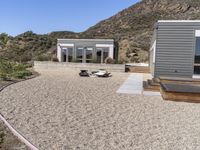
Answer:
(133, 85)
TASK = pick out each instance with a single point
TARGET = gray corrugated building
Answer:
(175, 49)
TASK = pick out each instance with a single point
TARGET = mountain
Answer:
(131, 28)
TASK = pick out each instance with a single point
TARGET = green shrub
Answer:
(12, 70)
(43, 58)
(19, 67)
(21, 74)
(29, 65)
(3, 76)
(55, 59)
(6, 67)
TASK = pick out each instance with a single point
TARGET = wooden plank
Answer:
(180, 88)
(180, 97)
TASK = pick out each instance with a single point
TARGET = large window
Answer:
(79, 54)
(102, 54)
(64, 54)
(67, 54)
(197, 57)
(89, 54)
(105, 54)
(70, 54)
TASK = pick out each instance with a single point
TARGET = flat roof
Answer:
(178, 20)
(86, 39)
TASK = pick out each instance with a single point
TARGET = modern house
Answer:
(175, 49)
(85, 50)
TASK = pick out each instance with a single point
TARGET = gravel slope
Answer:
(59, 110)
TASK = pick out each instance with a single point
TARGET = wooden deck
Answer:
(180, 92)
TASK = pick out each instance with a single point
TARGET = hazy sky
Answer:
(44, 16)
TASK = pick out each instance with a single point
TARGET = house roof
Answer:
(178, 20)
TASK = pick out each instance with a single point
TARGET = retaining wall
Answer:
(78, 66)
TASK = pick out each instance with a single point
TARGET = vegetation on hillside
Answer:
(10, 70)
(131, 28)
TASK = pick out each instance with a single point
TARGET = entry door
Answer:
(102, 54)
(69, 54)
(99, 55)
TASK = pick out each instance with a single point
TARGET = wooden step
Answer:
(150, 87)
(180, 92)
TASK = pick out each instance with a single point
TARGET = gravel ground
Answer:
(62, 111)
(8, 141)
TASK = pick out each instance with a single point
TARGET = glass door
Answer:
(79, 54)
(197, 57)
(67, 54)
(70, 54)
(102, 54)
(88, 55)
(64, 54)
(99, 55)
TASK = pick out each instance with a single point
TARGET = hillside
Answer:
(131, 28)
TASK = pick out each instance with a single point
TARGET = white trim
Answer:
(178, 20)
(104, 45)
(153, 48)
(66, 45)
(197, 33)
(86, 40)
(196, 76)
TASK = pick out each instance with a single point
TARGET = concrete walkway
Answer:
(133, 85)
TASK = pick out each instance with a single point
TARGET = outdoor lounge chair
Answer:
(102, 73)
(84, 73)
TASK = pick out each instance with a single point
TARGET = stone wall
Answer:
(78, 66)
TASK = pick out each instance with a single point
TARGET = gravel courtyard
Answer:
(62, 111)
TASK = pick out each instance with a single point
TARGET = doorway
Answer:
(67, 54)
(102, 54)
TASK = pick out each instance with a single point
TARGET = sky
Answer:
(45, 16)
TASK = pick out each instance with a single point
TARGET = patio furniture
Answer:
(84, 73)
(103, 73)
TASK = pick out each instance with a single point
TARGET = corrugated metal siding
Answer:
(175, 49)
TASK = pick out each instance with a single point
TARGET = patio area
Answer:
(60, 110)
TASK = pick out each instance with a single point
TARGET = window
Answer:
(89, 54)
(70, 54)
(105, 53)
(197, 56)
(197, 50)
(79, 54)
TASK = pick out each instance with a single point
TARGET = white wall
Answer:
(59, 56)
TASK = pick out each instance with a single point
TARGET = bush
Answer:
(5, 67)
(43, 58)
(21, 74)
(12, 70)
(109, 60)
(19, 67)
(3, 76)
(29, 65)
(55, 59)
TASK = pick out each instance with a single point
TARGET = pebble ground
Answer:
(61, 111)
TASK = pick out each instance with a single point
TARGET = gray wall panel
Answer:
(175, 48)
